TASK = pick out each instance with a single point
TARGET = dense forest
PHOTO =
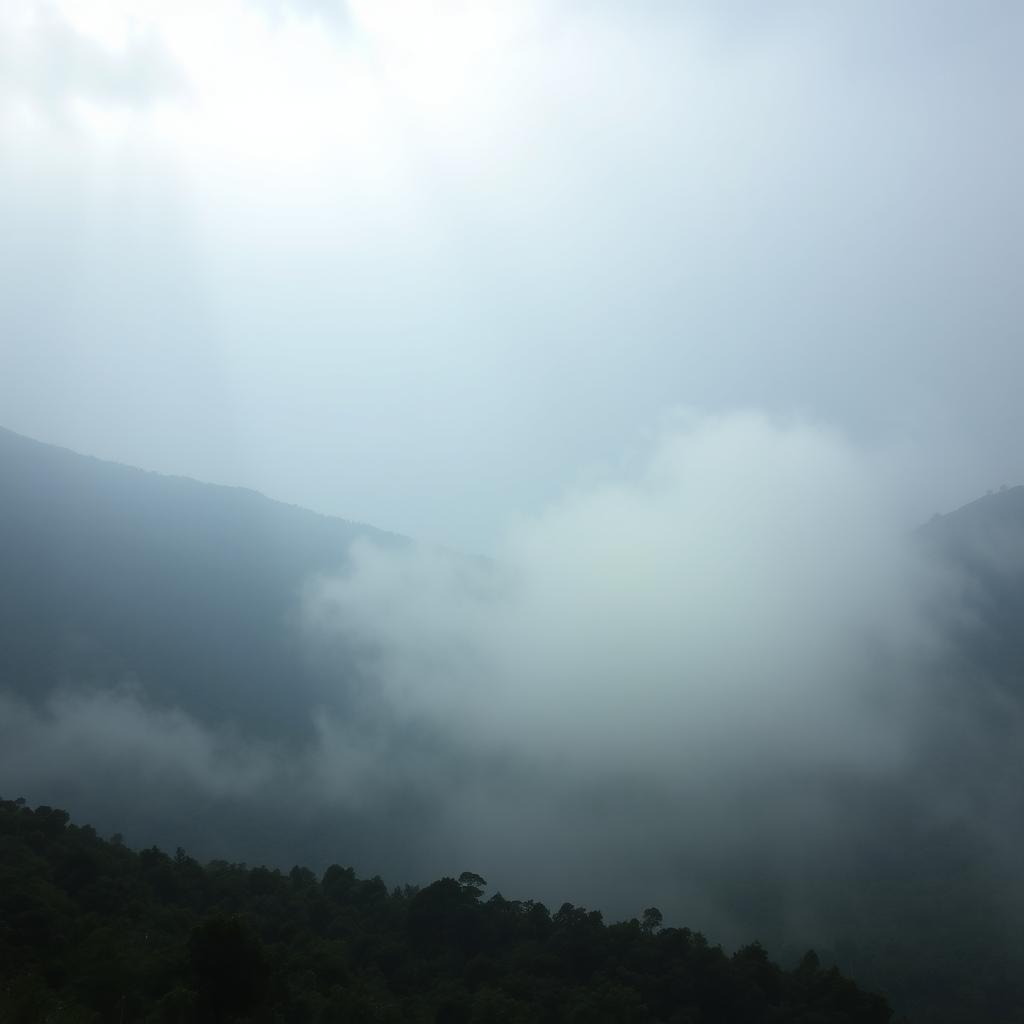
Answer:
(91, 930)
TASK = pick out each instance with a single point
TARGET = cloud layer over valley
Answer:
(711, 680)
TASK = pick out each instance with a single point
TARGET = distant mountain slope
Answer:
(109, 573)
(986, 535)
(983, 543)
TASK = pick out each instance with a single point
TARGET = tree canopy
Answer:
(92, 931)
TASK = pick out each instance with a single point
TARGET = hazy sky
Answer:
(429, 264)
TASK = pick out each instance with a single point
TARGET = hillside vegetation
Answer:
(93, 931)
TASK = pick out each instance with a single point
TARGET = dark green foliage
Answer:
(229, 966)
(91, 931)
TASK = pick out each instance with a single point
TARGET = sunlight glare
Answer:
(439, 53)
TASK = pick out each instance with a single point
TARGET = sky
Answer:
(438, 265)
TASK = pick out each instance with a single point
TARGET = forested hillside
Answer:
(92, 931)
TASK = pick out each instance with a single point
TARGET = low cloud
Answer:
(679, 677)
(718, 681)
(742, 590)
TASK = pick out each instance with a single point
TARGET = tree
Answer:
(651, 921)
(472, 884)
(229, 965)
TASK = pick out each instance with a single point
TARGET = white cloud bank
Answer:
(744, 589)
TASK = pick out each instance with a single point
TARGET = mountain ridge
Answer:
(10, 438)
(101, 560)
(174, 608)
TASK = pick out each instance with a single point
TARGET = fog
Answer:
(745, 570)
(671, 681)
(657, 328)
(720, 680)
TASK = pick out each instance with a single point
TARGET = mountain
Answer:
(111, 575)
(986, 525)
(982, 546)
(155, 676)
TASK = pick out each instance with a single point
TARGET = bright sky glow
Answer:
(419, 261)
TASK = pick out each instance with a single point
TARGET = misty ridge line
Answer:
(734, 647)
(656, 556)
(698, 565)
(680, 587)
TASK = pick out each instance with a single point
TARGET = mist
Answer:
(665, 671)
(719, 679)
(612, 377)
